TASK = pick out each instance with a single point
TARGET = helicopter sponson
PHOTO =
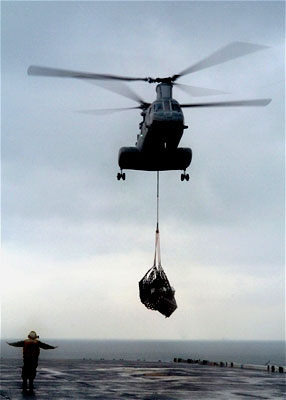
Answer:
(176, 159)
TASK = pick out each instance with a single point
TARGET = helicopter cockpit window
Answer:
(175, 106)
(167, 105)
(158, 106)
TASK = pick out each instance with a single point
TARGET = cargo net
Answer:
(155, 290)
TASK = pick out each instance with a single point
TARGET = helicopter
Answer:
(162, 126)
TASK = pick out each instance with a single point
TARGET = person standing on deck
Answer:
(31, 351)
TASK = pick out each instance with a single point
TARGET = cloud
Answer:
(80, 299)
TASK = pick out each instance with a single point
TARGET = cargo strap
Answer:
(157, 257)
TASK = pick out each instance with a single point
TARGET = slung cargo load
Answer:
(155, 290)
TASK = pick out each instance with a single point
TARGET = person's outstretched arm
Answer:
(46, 346)
(17, 344)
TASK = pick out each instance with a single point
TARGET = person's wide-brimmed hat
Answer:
(33, 335)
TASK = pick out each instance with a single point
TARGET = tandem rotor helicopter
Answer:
(162, 127)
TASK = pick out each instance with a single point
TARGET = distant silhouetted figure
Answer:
(31, 351)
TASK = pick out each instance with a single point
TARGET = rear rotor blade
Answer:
(229, 52)
(64, 73)
(198, 91)
(236, 103)
(107, 110)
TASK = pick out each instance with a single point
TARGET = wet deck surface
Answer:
(90, 379)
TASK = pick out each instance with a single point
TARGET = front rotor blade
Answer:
(229, 52)
(107, 110)
(237, 103)
(199, 91)
(119, 88)
(64, 73)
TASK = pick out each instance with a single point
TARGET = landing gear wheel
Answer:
(121, 175)
(185, 176)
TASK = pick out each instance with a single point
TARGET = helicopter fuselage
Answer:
(157, 143)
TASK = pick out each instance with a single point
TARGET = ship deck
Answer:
(101, 379)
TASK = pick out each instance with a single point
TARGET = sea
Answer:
(243, 352)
